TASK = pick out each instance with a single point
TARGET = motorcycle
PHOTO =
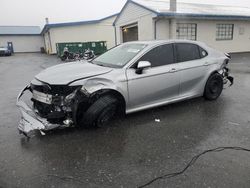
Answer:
(67, 55)
(78, 56)
(88, 55)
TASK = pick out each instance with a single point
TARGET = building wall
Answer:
(146, 28)
(133, 13)
(23, 43)
(162, 29)
(206, 32)
(103, 31)
(47, 43)
(166, 29)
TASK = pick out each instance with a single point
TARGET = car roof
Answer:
(158, 42)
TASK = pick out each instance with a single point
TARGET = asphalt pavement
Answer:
(131, 151)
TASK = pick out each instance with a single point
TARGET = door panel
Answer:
(192, 69)
(153, 85)
(192, 75)
(156, 84)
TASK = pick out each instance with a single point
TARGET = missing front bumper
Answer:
(30, 122)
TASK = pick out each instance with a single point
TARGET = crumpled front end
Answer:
(30, 121)
(52, 108)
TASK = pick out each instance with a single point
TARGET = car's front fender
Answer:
(95, 84)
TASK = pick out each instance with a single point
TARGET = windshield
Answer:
(119, 56)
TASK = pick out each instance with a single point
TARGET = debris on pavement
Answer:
(157, 120)
(233, 123)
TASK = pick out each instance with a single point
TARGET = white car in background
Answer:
(4, 51)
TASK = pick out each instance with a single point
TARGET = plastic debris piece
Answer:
(157, 120)
(233, 123)
(42, 133)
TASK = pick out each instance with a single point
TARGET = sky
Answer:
(34, 12)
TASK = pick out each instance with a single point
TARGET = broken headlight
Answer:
(84, 91)
(69, 97)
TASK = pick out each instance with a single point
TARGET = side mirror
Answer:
(142, 65)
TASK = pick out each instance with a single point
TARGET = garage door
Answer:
(130, 33)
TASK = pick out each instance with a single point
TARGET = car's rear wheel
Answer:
(100, 112)
(214, 87)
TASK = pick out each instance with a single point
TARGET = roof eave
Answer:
(131, 1)
(184, 15)
(202, 16)
(20, 34)
(68, 24)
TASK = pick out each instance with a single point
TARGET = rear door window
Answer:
(203, 53)
(187, 52)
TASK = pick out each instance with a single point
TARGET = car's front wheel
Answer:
(214, 87)
(100, 112)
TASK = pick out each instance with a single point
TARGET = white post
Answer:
(172, 28)
(173, 5)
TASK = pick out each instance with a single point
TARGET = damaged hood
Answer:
(69, 72)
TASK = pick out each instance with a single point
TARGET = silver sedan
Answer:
(130, 77)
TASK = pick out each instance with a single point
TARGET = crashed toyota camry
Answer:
(131, 77)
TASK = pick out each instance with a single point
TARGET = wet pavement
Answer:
(130, 151)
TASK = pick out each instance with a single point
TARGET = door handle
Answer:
(206, 64)
(173, 70)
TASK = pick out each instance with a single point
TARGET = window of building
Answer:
(186, 31)
(159, 56)
(187, 52)
(224, 31)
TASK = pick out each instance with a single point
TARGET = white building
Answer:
(21, 38)
(222, 27)
(85, 31)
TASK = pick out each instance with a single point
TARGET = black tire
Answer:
(214, 87)
(100, 112)
(63, 58)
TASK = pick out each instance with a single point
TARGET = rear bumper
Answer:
(30, 122)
